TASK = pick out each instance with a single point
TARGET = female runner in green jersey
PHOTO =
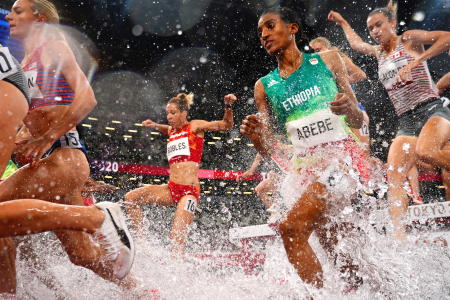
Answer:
(312, 101)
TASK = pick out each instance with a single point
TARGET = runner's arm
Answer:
(160, 127)
(355, 73)
(345, 102)
(60, 55)
(439, 41)
(257, 127)
(443, 84)
(222, 125)
(353, 38)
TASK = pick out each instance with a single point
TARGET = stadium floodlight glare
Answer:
(250, 145)
(211, 143)
(132, 130)
(116, 122)
(110, 128)
(216, 138)
(86, 125)
(127, 136)
(108, 177)
(92, 119)
(138, 124)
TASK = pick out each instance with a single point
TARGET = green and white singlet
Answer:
(300, 104)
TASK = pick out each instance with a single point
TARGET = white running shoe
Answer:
(114, 236)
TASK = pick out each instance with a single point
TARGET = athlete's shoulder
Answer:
(268, 79)
(330, 55)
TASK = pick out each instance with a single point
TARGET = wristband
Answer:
(228, 105)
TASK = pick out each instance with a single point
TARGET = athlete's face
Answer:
(318, 46)
(175, 116)
(380, 28)
(21, 18)
(274, 34)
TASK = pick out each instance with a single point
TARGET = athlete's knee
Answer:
(293, 231)
(426, 152)
(86, 259)
(132, 197)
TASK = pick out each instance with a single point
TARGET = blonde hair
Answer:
(46, 9)
(183, 101)
(322, 40)
(389, 11)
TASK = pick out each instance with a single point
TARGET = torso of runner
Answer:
(184, 153)
(418, 89)
(300, 105)
(48, 88)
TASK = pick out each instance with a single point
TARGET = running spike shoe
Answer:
(115, 238)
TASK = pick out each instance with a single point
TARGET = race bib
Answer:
(71, 140)
(190, 206)
(318, 128)
(178, 147)
(364, 130)
(388, 74)
(7, 64)
(31, 75)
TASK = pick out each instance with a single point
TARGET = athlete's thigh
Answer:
(309, 210)
(402, 153)
(55, 176)
(156, 194)
(434, 134)
(13, 109)
(184, 214)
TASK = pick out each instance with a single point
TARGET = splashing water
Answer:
(389, 270)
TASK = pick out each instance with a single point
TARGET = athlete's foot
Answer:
(114, 236)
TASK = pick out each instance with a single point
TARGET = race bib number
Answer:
(388, 74)
(178, 147)
(71, 140)
(7, 65)
(190, 206)
(364, 130)
(318, 128)
(31, 75)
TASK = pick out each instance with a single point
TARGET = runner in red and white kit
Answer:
(424, 124)
(184, 152)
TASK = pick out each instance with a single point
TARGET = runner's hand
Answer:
(342, 104)
(252, 127)
(244, 175)
(149, 123)
(404, 75)
(336, 17)
(34, 149)
(229, 99)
